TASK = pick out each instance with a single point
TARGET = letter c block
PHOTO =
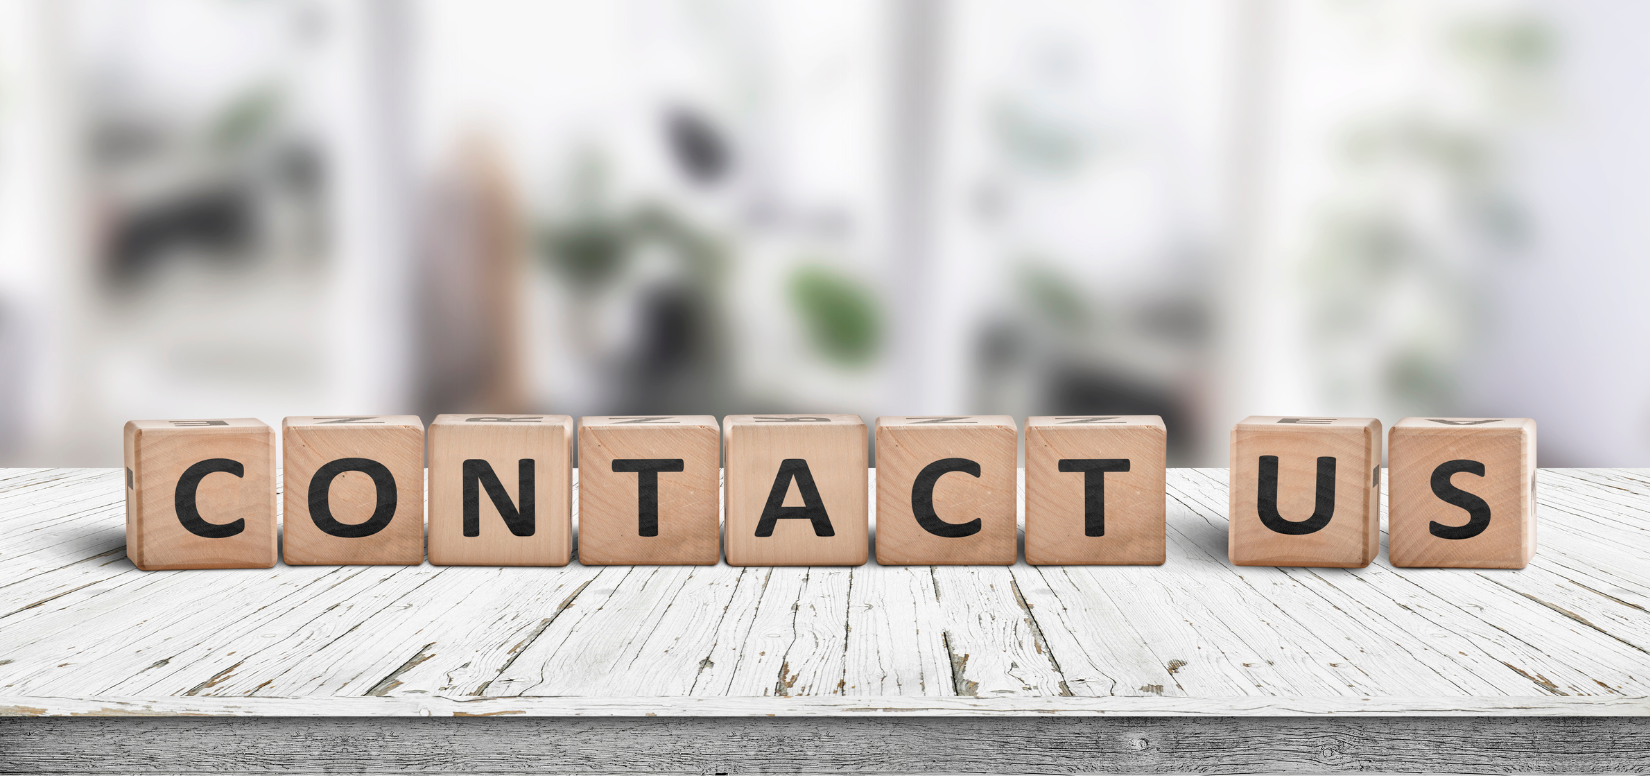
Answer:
(501, 490)
(200, 494)
(795, 490)
(353, 490)
(1305, 491)
(1462, 493)
(946, 490)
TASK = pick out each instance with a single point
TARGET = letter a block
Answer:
(354, 490)
(1305, 492)
(648, 490)
(1462, 493)
(946, 490)
(501, 490)
(1096, 487)
(200, 494)
(795, 490)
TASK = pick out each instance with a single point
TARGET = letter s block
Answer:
(353, 490)
(1096, 490)
(648, 490)
(200, 494)
(1305, 492)
(501, 490)
(795, 490)
(946, 490)
(1462, 493)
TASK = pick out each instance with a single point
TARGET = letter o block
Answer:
(1096, 490)
(1305, 492)
(946, 490)
(501, 490)
(200, 494)
(795, 490)
(354, 490)
(1462, 493)
(648, 490)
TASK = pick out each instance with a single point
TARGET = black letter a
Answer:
(813, 508)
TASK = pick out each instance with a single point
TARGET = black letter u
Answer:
(1268, 498)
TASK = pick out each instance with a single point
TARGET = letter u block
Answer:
(1096, 490)
(200, 494)
(354, 490)
(1305, 492)
(501, 490)
(648, 490)
(1462, 493)
(946, 490)
(795, 490)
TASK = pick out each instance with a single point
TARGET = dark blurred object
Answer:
(214, 220)
(471, 280)
(698, 146)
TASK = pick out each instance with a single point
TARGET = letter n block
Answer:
(200, 494)
(1305, 492)
(501, 490)
(795, 490)
(648, 490)
(1462, 493)
(353, 490)
(946, 490)
(1096, 487)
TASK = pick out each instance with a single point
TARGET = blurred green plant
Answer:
(839, 313)
(248, 115)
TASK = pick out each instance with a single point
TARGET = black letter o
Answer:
(320, 509)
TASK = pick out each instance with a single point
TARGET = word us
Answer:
(1303, 491)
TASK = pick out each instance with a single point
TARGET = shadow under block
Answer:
(1096, 488)
(1305, 492)
(648, 490)
(501, 490)
(946, 490)
(795, 490)
(200, 494)
(1461, 493)
(354, 490)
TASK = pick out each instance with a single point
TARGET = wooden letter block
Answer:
(1096, 487)
(200, 494)
(1462, 493)
(354, 490)
(501, 490)
(796, 491)
(946, 490)
(648, 490)
(1305, 492)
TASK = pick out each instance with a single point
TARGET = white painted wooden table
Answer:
(1195, 665)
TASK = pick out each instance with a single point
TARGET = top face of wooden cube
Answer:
(790, 421)
(1276, 482)
(1462, 492)
(649, 421)
(330, 422)
(1077, 422)
(948, 422)
(200, 426)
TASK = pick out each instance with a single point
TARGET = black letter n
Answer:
(479, 474)
(813, 508)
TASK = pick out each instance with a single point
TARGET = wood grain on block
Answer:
(1096, 490)
(354, 490)
(946, 490)
(501, 490)
(1462, 493)
(648, 490)
(1305, 492)
(200, 494)
(795, 490)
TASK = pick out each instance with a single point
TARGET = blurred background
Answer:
(1202, 209)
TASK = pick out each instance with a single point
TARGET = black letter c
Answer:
(922, 498)
(189, 513)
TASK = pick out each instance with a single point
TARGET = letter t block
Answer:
(1462, 493)
(795, 489)
(946, 490)
(1096, 488)
(200, 494)
(648, 490)
(1305, 492)
(501, 490)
